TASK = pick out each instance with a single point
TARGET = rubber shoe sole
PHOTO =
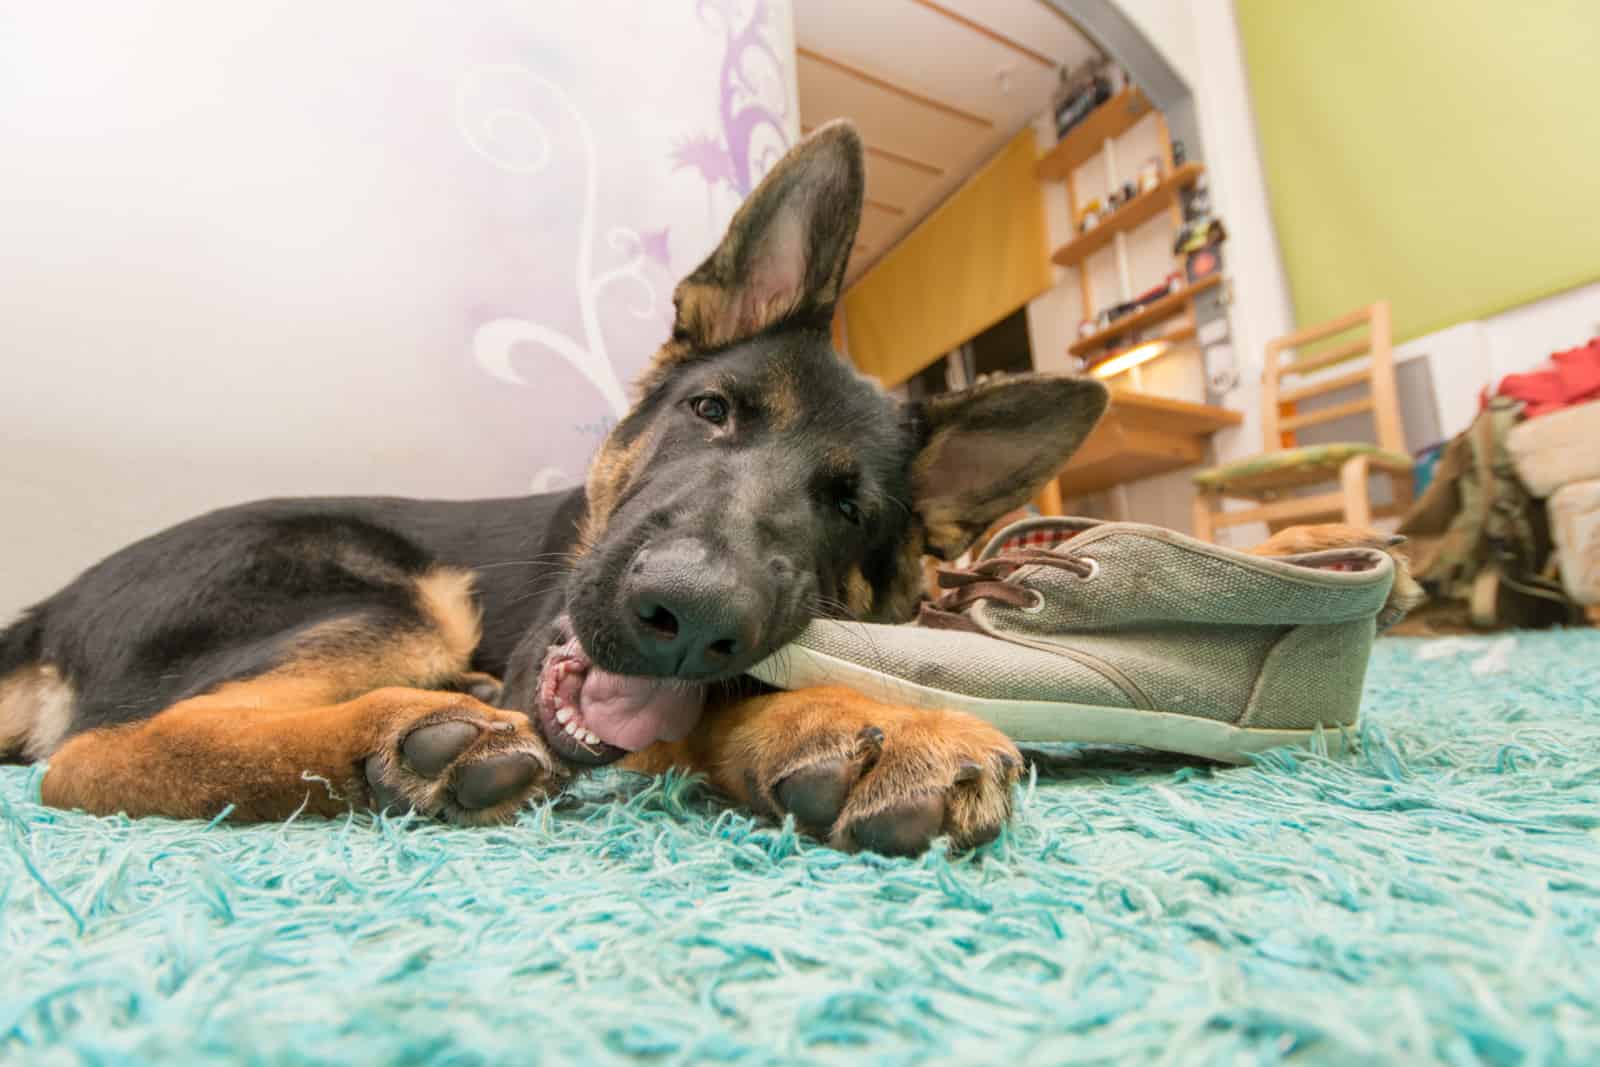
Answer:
(1051, 722)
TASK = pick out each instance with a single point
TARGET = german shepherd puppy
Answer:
(330, 653)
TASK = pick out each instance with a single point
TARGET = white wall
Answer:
(373, 246)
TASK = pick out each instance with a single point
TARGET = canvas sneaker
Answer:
(1119, 632)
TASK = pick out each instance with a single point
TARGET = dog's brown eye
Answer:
(713, 409)
(850, 510)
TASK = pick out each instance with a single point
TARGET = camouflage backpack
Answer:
(1479, 542)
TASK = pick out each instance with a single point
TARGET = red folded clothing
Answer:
(1570, 377)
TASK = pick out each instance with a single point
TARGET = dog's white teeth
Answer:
(587, 738)
(563, 715)
(572, 730)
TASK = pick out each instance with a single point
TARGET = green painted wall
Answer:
(1444, 154)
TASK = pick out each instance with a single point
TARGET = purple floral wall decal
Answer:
(569, 138)
(735, 156)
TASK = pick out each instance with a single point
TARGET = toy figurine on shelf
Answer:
(1093, 212)
(1200, 243)
(1150, 174)
(1107, 316)
(1200, 238)
(1083, 90)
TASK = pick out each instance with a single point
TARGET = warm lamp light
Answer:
(1128, 360)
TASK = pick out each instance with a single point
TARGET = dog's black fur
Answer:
(222, 597)
(757, 482)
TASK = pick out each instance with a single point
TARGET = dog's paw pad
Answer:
(495, 780)
(903, 830)
(385, 798)
(816, 795)
(468, 764)
(433, 748)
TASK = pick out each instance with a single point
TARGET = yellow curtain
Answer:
(981, 255)
(1437, 153)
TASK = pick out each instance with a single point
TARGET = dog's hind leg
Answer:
(270, 747)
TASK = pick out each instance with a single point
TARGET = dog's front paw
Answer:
(865, 775)
(467, 763)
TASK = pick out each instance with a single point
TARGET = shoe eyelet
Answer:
(1094, 568)
(1035, 607)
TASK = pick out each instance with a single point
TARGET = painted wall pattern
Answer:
(622, 264)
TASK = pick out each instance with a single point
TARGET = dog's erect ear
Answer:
(785, 251)
(986, 450)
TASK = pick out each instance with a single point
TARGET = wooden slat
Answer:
(1135, 213)
(1137, 454)
(1157, 310)
(1298, 507)
(931, 169)
(1116, 116)
(1327, 414)
(1327, 385)
(1385, 391)
(1148, 411)
(899, 90)
(984, 31)
(1339, 325)
(922, 166)
(1379, 511)
(1328, 356)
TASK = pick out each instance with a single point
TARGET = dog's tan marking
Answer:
(36, 706)
(839, 460)
(781, 395)
(898, 603)
(609, 476)
(858, 594)
(666, 357)
(271, 747)
(445, 594)
(340, 659)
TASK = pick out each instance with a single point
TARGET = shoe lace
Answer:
(986, 581)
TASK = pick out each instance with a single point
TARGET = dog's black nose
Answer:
(687, 611)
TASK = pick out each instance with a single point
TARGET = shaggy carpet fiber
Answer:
(1433, 899)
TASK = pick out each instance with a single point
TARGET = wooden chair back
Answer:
(1305, 352)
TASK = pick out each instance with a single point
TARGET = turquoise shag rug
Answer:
(1435, 899)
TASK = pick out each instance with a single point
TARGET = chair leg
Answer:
(1357, 497)
(1204, 530)
(1049, 499)
(1403, 488)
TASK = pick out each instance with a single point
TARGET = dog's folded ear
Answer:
(783, 257)
(986, 450)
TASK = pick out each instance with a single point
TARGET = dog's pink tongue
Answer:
(634, 712)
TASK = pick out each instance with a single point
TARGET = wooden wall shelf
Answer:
(1170, 337)
(1115, 116)
(1135, 213)
(1153, 312)
(1141, 436)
